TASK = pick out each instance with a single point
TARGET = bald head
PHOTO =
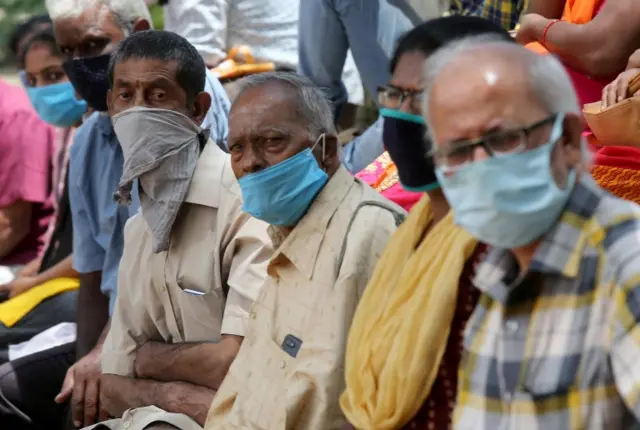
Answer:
(483, 85)
(479, 90)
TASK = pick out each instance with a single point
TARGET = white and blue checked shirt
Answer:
(559, 347)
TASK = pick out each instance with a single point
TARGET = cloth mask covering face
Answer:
(404, 137)
(57, 104)
(161, 149)
(90, 80)
(281, 194)
(509, 201)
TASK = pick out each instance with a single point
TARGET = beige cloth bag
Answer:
(618, 125)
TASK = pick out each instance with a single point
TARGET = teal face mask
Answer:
(508, 201)
(281, 194)
(57, 104)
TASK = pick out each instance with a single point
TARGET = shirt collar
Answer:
(103, 123)
(208, 175)
(302, 245)
(562, 247)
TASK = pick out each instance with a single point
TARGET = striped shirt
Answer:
(558, 347)
(502, 12)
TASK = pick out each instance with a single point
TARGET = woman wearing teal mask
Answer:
(51, 93)
(50, 275)
(425, 273)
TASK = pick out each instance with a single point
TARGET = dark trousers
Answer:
(29, 385)
(53, 311)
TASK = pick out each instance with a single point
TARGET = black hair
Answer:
(164, 46)
(432, 35)
(24, 30)
(45, 37)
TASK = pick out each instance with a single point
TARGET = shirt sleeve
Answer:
(25, 159)
(88, 255)
(217, 117)
(625, 350)
(131, 326)
(364, 149)
(247, 254)
(203, 23)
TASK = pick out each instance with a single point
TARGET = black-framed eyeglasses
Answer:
(392, 97)
(452, 156)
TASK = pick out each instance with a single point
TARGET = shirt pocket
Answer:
(263, 396)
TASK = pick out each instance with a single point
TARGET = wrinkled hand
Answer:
(531, 27)
(82, 385)
(616, 91)
(18, 286)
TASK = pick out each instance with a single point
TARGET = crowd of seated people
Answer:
(186, 244)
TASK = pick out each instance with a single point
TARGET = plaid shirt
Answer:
(559, 347)
(502, 12)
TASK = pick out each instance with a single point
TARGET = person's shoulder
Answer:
(616, 226)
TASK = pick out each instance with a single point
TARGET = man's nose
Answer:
(479, 153)
(253, 161)
(139, 100)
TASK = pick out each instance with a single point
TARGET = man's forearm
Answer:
(587, 47)
(120, 393)
(204, 364)
(93, 313)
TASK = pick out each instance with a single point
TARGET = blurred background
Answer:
(15, 11)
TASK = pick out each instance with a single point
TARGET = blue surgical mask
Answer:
(511, 200)
(57, 104)
(281, 194)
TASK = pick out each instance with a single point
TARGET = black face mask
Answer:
(404, 139)
(89, 78)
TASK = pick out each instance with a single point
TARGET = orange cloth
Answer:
(624, 183)
(575, 12)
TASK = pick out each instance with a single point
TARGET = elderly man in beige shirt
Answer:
(328, 229)
(193, 262)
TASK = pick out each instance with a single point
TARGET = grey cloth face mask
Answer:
(161, 149)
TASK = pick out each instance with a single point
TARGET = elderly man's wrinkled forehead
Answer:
(93, 32)
(267, 105)
(480, 89)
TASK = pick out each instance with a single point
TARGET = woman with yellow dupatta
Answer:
(405, 341)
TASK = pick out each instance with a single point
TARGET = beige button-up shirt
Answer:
(316, 277)
(204, 285)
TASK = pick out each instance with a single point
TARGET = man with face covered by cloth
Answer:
(193, 262)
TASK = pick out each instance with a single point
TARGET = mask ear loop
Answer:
(323, 138)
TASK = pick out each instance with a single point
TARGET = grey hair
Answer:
(126, 12)
(313, 105)
(549, 83)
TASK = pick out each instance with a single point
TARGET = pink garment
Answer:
(26, 150)
(59, 164)
(382, 176)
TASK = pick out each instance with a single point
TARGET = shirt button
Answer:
(253, 315)
(512, 326)
(283, 364)
(127, 424)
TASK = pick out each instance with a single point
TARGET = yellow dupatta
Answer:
(401, 327)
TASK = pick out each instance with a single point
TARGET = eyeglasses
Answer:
(452, 156)
(392, 97)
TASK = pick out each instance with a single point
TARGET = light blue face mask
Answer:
(281, 194)
(57, 104)
(511, 200)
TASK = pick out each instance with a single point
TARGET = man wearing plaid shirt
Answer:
(554, 343)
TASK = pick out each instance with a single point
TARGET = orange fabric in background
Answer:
(623, 183)
(617, 170)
